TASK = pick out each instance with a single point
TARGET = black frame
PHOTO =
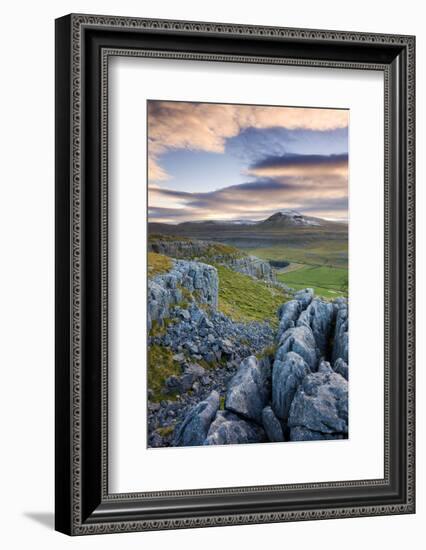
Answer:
(83, 45)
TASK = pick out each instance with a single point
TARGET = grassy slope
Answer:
(240, 297)
(158, 263)
(325, 246)
(245, 299)
(329, 282)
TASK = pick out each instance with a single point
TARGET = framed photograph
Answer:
(234, 274)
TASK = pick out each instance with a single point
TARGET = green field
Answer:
(329, 282)
(323, 252)
(321, 265)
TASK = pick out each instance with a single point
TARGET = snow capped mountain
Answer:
(287, 218)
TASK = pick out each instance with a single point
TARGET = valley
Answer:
(303, 251)
(235, 333)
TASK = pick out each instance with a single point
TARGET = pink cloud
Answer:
(206, 126)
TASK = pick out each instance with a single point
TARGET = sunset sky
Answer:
(218, 161)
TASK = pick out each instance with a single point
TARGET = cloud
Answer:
(301, 165)
(257, 199)
(207, 126)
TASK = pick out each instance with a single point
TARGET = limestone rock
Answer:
(321, 404)
(319, 317)
(341, 332)
(210, 252)
(305, 296)
(287, 375)
(230, 429)
(300, 340)
(300, 433)
(165, 290)
(272, 425)
(248, 390)
(288, 315)
(193, 430)
(341, 368)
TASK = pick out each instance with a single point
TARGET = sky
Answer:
(212, 161)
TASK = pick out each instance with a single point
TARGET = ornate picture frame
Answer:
(84, 44)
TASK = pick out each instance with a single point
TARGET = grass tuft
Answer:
(160, 366)
(166, 430)
(158, 263)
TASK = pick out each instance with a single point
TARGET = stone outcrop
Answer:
(230, 429)
(300, 340)
(303, 434)
(341, 368)
(248, 390)
(272, 425)
(309, 396)
(288, 314)
(211, 252)
(252, 266)
(286, 378)
(341, 332)
(319, 316)
(321, 404)
(182, 248)
(305, 297)
(193, 430)
(299, 392)
(167, 290)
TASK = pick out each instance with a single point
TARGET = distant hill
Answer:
(287, 226)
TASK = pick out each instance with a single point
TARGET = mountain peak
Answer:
(291, 218)
(285, 214)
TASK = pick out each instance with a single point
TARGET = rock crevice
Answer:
(299, 393)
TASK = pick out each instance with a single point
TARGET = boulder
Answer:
(300, 433)
(153, 406)
(324, 366)
(288, 315)
(341, 334)
(301, 341)
(248, 390)
(272, 425)
(319, 317)
(230, 429)
(252, 266)
(177, 384)
(304, 297)
(287, 374)
(194, 370)
(321, 404)
(193, 430)
(156, 440)
(165, 290)
(341, 368)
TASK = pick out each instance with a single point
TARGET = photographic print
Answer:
(247, 267)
